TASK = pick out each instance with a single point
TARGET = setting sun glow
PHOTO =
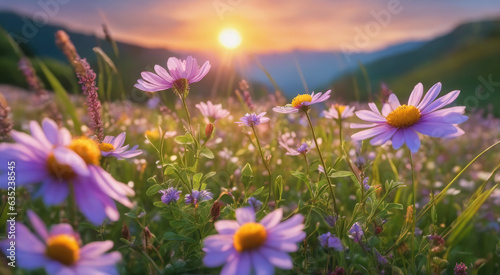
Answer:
(230, 38)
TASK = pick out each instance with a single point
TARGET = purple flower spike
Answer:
(253, 119)
(169, 195)
(302, 102)
(400, 123)
(245, 244)
(460, 269)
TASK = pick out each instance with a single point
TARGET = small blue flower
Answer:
(169, 195)
(365, 184)
(254, 203)
(381, 259)
(331, 220)
(356, 233)
(198, 196)
(253, 119)
(329, 240)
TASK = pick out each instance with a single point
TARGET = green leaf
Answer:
(258, 191)
(100, 53)
(340, 174)
(62, 97)
(159, 204)
(171, 236)
(208, 175)
(197, 180)
(247, 175)
(300, 175)
(186, 139)
(153, 190)
(394, 206)
(207, 153)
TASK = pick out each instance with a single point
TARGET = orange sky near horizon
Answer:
(266, 26)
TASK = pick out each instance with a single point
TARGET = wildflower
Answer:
(400, 122)
(169, 195)
(365, 183)
(338, 271)
(331, 220)
(329, 240)
(381, 259)
(302, 102)
(254, 203)
(180, 74)
(64, 43)
(55, 161)
(253, 119)
(59, 251)
(215, 210)
(86, 77)
(437, 242)
(356, 233)
(460, 269)
(113, 147)
(244, 245)
(337, 111)
(198, 196)
(212, 112)
(209, 130)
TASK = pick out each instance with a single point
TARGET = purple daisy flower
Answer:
(169, 195)
(52, 159)
(58, 250)
(113, 147)
(329, 240)
(356, 233)
(400, 122)
(245, 245)
(212, 112)
(336, 109)
(180, 74)
(302, 102)
(198, 196)
(253, 119)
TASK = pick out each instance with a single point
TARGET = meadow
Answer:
(187, 184)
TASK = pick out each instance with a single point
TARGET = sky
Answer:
(265, 26)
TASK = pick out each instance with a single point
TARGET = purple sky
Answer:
(266, 26)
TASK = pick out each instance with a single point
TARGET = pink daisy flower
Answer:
(58, 250)
(212, 112)
(113, 147)
(245, 245)
(302, 102)
(337, 111)
(54, 161)
(400, 123)
(180, 74)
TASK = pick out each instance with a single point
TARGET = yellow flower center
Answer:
(106, 147)
(298, 100)
(63, 248)
(249, 236)
(340, 108)
(87, 149)
(403, 116)
(60, 171)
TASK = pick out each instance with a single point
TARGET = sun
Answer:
(230, 38)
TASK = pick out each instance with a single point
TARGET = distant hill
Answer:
(461, 60)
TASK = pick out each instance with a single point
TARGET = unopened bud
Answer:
(209, 130)
(215, 210)
(125, 232)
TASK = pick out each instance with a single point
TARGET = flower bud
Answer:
(209, 130)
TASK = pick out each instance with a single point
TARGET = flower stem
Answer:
(268, 170)
(187, 114)
(335, 209)
(414, 193)
(339, 121)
